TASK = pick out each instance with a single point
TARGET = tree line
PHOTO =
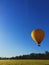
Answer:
(29, 56)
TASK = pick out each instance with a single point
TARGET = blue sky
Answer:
(17, 19)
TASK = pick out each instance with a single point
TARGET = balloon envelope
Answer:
(37, 35)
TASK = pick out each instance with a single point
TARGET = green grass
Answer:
(24, 62)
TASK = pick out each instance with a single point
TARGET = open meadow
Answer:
(24, 62)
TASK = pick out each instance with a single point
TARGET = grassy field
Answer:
(24, 62)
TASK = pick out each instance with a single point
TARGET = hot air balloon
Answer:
(37, 35)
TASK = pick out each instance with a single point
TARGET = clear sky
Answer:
(17, 19)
